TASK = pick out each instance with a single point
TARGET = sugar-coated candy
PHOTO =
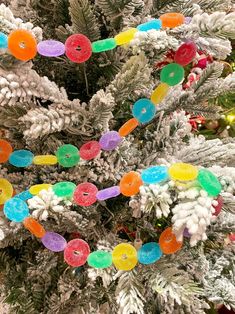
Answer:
(232, 237)
(5, 150)
(154, 174)
(100, 259)
(143, 110)
(125, 37)
(110, 140)
(90, 150)
(64, 189)
(171, 19)
(152, 24)
(103, 45)
(185, 53)
(130, 183)
(15, 209)
(128, 127)
(183, 172)
(186, 233)
(187, 20)
(21, 158)
(168, 242)
(124, 256)
(219, 206)
(75, 42)
(3, 41)
(149, 253)
(159, 93)
(22, 44)
(108, 193)
(45, 160)
(54, 241)
(172, 74)
(51, 48)
(85, 194)
(209, 182)
(25, 195)
(67, 155)
(76, 252)
(35, 189)
(34, 227)
(6, 190)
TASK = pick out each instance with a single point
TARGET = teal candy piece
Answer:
(67, 155)
(100, 259)
(143, 110)
(24, 196)
(153, 24)
(155, 174)
(3, 41)
(209, 182)
(103, 45)
(149, 253)
(21, 158)
(16, 210)
(64, 189)
(172, 74)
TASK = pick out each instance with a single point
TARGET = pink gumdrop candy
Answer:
(218, 207)
(72, 45)
(85, 194)
(186, 53)
(76, 252)
(89, 150)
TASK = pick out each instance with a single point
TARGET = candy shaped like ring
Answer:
(124, 256)
(209, 182)
(110, 140)
(185, 53)
(3, 41)
(149, 253)
(172, 74)
(172, 19)
(76, 252)
(89, 150)
(85, 194)
(6, 190)
(144, 110)
(67, 155)
(130, 183)
(100, 259)
(78, 48)
(16, 210)
(21, 158)
(34, 227)
(51, 48)
(54, 241)
(5, 151)
(168, 242)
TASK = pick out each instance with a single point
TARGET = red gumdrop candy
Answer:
(186, 53)
(78, 48)
(218, 207)
(76, 252)
(89, 150)
(85, 194)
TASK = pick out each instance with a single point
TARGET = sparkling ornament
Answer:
(24, 196)
(34, 227)
(68, 155)
(78, 48)
(153, 24)
(54, 241)
(209, 182)
(168, 242)
(125, 37)
(16, 210)
(90, 150)
(186, 53)
(100, 259)
(51, 48)
(6, 190)
(130, 183)
(5, 151)
(76, 252)
(143, 110)
(108, 193)
(3, 41)
(85, 194)
(35, 189)
(183, 172)
(45, 160)
(159, 93)
(110, 140)
(64, 189)
(128, 127)
(149, 253)
(212, 124)
(219, 206)
(124, 256)
(154, 174)
(172, 74)
(21, 158)
(171, 19)
(22, 44)
(103, 45)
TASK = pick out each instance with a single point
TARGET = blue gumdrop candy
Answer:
(24, 196)
(143, 110)
(155, 174)
(149, 253)
(153, 24)
(3, 41)
(16, 210)
(21, 158)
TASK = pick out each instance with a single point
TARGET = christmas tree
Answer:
(48, 102)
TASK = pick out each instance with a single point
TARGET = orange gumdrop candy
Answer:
(128, 127)
(130, 183)
(34, 227)
(171, 20)
(5, 151)
(22, 45)
(168, 242)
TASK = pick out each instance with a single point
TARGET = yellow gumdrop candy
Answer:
(6, 191)
(124, 256)
(159, 93)
(45, 160)
(125, 37)
(183, 172)
(35, 189)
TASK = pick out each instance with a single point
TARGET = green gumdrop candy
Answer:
(209, 182)
(68, 155)
(172, 74)
(103, 45)
(64, 189)
(99, 259)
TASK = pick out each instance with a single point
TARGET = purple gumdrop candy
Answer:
(110, 140)
(51, 48)
(186, 233)
(187, 20)
(108, 193)
(54, 242)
